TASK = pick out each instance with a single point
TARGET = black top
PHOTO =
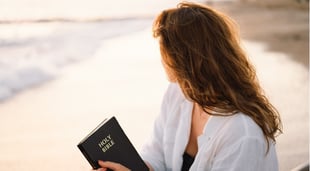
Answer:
(187, 161)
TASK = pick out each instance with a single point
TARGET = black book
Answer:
(108, 142)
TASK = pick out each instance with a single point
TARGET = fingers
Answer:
(149, 166)
(102, 169)
(112, 165)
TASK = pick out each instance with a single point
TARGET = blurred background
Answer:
(67, 65)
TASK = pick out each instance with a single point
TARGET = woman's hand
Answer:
(111, 165)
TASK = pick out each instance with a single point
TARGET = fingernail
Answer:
(100, 161)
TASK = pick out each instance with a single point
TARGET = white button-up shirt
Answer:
(230, 143)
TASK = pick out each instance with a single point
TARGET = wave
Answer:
(35, 52)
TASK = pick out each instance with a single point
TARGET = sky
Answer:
(81, 9)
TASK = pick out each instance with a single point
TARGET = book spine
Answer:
(90, 161)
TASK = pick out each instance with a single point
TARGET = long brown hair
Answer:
(202, 49)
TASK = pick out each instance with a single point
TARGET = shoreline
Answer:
(41, 126)
(49, 120)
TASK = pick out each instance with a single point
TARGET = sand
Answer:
(282, 25)
(40, 127)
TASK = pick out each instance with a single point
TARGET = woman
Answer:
(214, 115)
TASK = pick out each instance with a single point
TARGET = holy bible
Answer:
(108, 142)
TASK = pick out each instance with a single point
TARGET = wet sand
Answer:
(40, 127)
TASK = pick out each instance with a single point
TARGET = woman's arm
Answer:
(153, 151)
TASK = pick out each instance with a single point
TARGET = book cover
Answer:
(108, 142)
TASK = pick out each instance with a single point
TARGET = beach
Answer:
(106, 70)
(41, 133)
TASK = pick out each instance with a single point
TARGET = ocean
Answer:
(32, 53)
(40, 37)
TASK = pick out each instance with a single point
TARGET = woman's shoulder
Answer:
(173, 94)
(236, 127)
(247, 124)
(174, 90)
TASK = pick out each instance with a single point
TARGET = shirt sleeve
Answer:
(152, 151)
(246, 154)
